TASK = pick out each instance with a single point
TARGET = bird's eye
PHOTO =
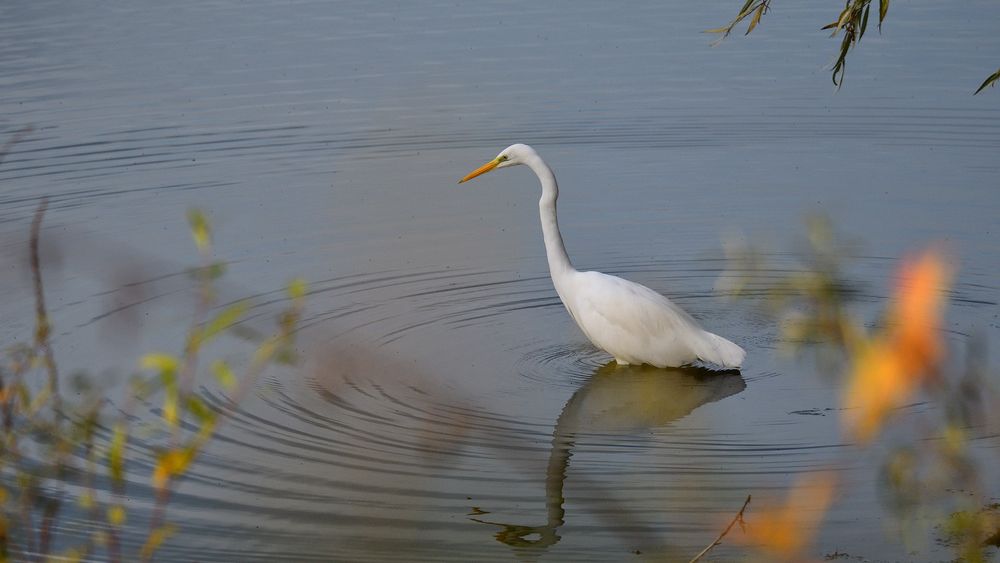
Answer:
(503, 158)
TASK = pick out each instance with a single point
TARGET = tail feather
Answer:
(718, 350)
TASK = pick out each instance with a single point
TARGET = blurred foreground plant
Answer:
(51, 451)
(933, 475)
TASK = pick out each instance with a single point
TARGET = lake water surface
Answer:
(447, 407)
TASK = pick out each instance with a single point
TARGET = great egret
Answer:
(631, 322)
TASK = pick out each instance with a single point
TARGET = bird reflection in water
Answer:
(615, 399)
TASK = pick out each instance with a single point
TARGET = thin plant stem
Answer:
(718, 540)
(42, 326)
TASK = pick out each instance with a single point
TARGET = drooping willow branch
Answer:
(851, 24)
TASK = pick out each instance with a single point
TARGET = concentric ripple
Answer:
(510, 432)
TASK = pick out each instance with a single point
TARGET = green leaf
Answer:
(210, 272)
(116, 453)
(864, 22)
(844, 17)
(991, 80)
(745, 10)
(883, 7)
(225, 319)
(286, 356)
(198, 408)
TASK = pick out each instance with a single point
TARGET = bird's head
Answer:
(510, 156)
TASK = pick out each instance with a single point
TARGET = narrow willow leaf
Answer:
(990, 81)
(844, 16)
(755, 20)
(864, 22)
(883, 7)
(224, 375)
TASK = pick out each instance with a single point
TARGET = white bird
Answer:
(631, 322)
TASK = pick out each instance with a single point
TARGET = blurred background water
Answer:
(447, 400)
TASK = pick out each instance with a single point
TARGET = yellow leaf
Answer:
(116, 453)
(162, 363)
(265, 351)
(887, 369)
(160, 476)
(228, 317)
(156, 538)
(86, 500)
(116, 515)
(297, 288)
(224, 375)
(170, 408)
(171, 464)
(200, 229)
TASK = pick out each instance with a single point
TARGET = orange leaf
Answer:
(784, 531)
(888, 368)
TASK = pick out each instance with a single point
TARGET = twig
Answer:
(43, 327)
(20, 134)
(49, 515)
(718, 540)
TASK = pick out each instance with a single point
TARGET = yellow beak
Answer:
(481, 170)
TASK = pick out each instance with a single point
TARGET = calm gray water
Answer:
(447, 401)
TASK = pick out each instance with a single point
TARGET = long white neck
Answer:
(555, 250)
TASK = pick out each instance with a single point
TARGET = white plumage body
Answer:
(637, 325)
(631, 322)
